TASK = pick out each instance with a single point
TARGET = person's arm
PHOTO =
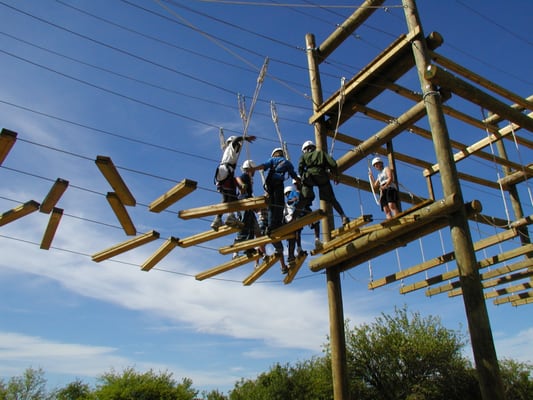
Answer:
(388, 174)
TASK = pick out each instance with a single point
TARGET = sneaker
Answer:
(284, 270)
(250, 252)
(235, 255)
(217, 223)
(345, 220)
(318, 244)
(291, 263)
(232, 220)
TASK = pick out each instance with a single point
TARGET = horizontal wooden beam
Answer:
(7, 141)
(522, 302)
(261, 269)
(121, 213)
(514, 297)
(18, 212)
(160, 253)
(110, 172)
(517, 177)
(51, 228)
(353, 224)
(222, 208)
(56, 191)
(508, 290)
(207, 236)
(227, 266)
(179, 191)
(469, 92)
(125, 246)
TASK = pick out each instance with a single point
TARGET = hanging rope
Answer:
(376, 199)
(341, 103)
(399, 265)
(497, 170)
(522, 163)
(221, 138)
(423, 255)
(275, 119)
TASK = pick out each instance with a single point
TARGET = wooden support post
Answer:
(259, 271)
(469, 92)
(160, 253)
(207, 236)
(18, 212)
(7, 141)
(126, 246)
(121, 213)
(222, 208)
(53, 196)
(490, 381)
(110, 172)
(179, 191)
(51, 228)
(232, 264)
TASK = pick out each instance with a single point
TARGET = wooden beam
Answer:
(467, 91)
(207, 236)
(259, 271)
(222, 208)
(121, 213)
(487, 262)
(179, 191)
(508, 290)
(376, 239)
(232, 264)
(466, 73)
(514, 297)
(353, 224)
(294, 270)
(434, 262)
(522, 302)
(125, 246)
(519, 176)
(7, 141)
(160, 253)
(110, 172)
(53, 196)
(18, 212)
(51, 228)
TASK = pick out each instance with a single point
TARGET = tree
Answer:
(30, 386)
(398, 357)
(76, 390)
(517, 379)
(132, 385)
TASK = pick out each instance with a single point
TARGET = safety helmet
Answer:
(230, 139)
(376, 160)
(288, 189)
(276, 150)
(247, 164)
(307, 144)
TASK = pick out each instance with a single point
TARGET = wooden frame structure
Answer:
(440, 79)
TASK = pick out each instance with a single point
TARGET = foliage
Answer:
(76, 390)
(30, 386)
(308, 380)
(133, 385)
(517, 379)
(398, 357)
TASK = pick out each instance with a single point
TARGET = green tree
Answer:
(398, 357)
(76, 390)
(517, 379)
(31, 385)
(133, 385)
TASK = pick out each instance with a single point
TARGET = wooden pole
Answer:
(476, 310)
(336, 311)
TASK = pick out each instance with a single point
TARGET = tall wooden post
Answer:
(476, 309)
(336, 310)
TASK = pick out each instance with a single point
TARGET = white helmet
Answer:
(376, 160)
(288, 189)
(247, 164)
(276, 150)
(230, 139)
(307, 144)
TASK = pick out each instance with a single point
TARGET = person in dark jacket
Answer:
(314, 168)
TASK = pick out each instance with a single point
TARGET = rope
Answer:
(371, 184)
(423, 255)
(522, 163)
(341, 103)
(275, 119)
(399, 265)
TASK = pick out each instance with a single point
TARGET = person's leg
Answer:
(326, 193)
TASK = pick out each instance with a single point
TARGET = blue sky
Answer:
(149, 84)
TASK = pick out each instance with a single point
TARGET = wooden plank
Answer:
(522, 302)
(434, 262)
(53, 196)
(18, 212)
(121, 213)
(514, 297)
(487, 262)
(223, 208)
(261, 269)
(508, 290)
(110, 172)
(227, 266)
(517, 177)
(7, 141)
(179, 191)
(353, 224)
(207, 236)
(294, 270)
(125, 246)
(51, 228)
(160, 253)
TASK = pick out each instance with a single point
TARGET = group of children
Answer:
(315, 168)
